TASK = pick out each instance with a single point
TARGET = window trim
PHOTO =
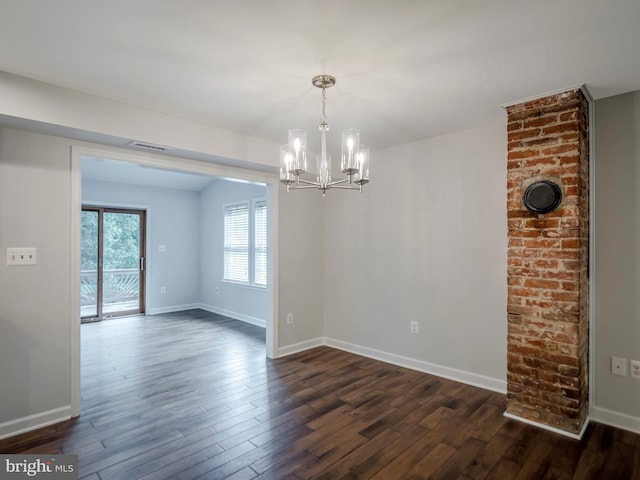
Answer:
(260, 202)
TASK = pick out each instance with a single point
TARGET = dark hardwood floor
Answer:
(191, 395)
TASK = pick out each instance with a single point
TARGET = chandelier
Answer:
(355, 157)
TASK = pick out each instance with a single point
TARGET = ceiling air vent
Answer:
(149, 146)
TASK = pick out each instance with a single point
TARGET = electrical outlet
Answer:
(289, 318)
(414, 327)
(217, 290)
(619, 366)
(635, 369)
(163, 290)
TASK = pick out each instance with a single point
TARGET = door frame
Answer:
(101, 209)
(270, 180)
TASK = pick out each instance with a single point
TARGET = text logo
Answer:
(51, 467)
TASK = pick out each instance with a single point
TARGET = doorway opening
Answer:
(112, 263)
(147, 165)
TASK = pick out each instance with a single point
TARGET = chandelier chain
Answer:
(324, 126)
(323, 118)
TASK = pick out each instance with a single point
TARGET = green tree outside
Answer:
(121, 241)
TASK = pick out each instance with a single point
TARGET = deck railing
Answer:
(119, 286)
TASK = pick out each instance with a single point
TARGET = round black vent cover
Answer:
(542, 197)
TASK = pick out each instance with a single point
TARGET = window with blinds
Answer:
(245, 243)
(236, 242)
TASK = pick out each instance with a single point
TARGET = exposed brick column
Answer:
(548, 327)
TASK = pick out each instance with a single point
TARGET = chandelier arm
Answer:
(338, 182)
(304, 187)
(342, 187)
(309, 182)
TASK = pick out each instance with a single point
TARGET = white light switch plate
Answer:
(22, 256)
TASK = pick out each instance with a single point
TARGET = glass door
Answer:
(89, 254)
(113, 262)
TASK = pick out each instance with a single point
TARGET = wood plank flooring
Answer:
(191, 395)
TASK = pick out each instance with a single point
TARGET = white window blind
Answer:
(260, 243)
(236, 242)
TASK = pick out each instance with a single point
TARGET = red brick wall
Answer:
(547, 307)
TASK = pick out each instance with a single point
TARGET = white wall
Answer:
(173, 220)
(300, 285)
(426, 241)
(617, 256)
(35, 305)
(240, 301)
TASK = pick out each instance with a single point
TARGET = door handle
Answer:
(142, 264)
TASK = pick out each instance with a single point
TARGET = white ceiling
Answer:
(406, 69)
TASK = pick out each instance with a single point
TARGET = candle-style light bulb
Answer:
(350, 146)
(297, 147)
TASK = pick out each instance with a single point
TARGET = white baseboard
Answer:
(615, 419)
(461, 376)
(35, 421)
(549, 428)
(259, 322)
(209, 308)
(172, 309)
(300, 347)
